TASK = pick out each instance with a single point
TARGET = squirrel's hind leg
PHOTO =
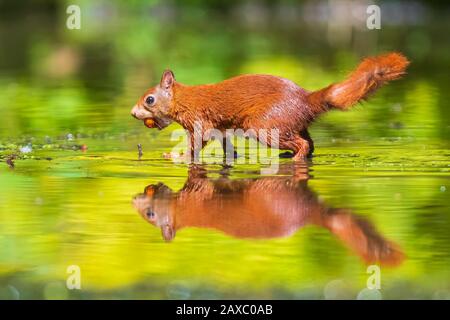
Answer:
(301, 148)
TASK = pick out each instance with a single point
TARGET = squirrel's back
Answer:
(240, 98)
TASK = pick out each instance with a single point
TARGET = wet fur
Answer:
(269, 102)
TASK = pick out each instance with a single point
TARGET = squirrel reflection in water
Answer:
(260, 208)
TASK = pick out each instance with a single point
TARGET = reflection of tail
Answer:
(358, 234)
(371, 74)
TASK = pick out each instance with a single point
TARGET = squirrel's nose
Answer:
(134, 112)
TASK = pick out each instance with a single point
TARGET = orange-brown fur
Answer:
(243, 208)
(265, 102)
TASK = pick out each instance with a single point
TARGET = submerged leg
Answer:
(300, 145)
(301, 149)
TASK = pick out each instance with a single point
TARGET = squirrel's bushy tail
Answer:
(371, 74)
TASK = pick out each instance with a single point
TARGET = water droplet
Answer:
(26, 149)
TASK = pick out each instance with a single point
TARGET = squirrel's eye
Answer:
(150, 214)
(150, 100)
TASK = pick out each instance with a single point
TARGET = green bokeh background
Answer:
(386, 160)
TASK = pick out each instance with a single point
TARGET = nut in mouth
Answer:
(156, 122)
(151, 123)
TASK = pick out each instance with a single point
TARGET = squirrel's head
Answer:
(153, 107)
(154, 205)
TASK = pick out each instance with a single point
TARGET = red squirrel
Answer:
(254, 102)
(243, 208)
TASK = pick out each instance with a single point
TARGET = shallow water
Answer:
(375, 192)
(308, 232)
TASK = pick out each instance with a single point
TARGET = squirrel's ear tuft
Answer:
(167, 79)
